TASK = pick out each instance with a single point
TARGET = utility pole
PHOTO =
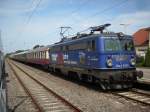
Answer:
(63, 30)
(125, 27)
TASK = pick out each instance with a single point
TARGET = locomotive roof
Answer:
(103, 35)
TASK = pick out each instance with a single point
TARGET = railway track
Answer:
(44, 98)
(135, 95)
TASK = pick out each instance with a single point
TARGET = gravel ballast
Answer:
(18, 100)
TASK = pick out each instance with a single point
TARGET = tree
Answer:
(147, 58)
(38, 46)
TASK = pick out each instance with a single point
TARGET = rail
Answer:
(76, 109)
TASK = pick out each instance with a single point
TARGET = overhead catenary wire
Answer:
(116, 5)
(29, 16)
(109, 8)
(32, 13)
(84, 3)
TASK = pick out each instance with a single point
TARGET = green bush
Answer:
(147, 58)
(140, 61)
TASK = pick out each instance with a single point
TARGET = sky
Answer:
(26, 23)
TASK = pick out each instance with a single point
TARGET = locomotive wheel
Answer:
(80, 77)
(90, 79)
(104, 85)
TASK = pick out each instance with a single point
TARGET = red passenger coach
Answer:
(38, 56)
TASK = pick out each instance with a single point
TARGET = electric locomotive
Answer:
(106, 58)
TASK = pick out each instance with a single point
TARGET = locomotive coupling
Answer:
(139, 74)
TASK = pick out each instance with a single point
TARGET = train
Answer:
(106, 58)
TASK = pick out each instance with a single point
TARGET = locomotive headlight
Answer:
(109, 62)
(133, 61)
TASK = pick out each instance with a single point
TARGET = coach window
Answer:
(39, 55)
(45, 54)
(36, 55)
(42, 54)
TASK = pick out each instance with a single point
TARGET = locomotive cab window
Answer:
(114, 44)
(127, 45)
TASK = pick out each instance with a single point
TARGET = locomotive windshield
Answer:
(115, 44)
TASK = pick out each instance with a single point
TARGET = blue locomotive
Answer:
(104, 57)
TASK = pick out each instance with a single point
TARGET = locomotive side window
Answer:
(78, 46)
(56, 48)
(61, 48)
(88, 46)
(91, 45)
(65, 48)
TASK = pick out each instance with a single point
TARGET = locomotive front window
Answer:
(127, 45)
(112, 45)
(118, 45)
